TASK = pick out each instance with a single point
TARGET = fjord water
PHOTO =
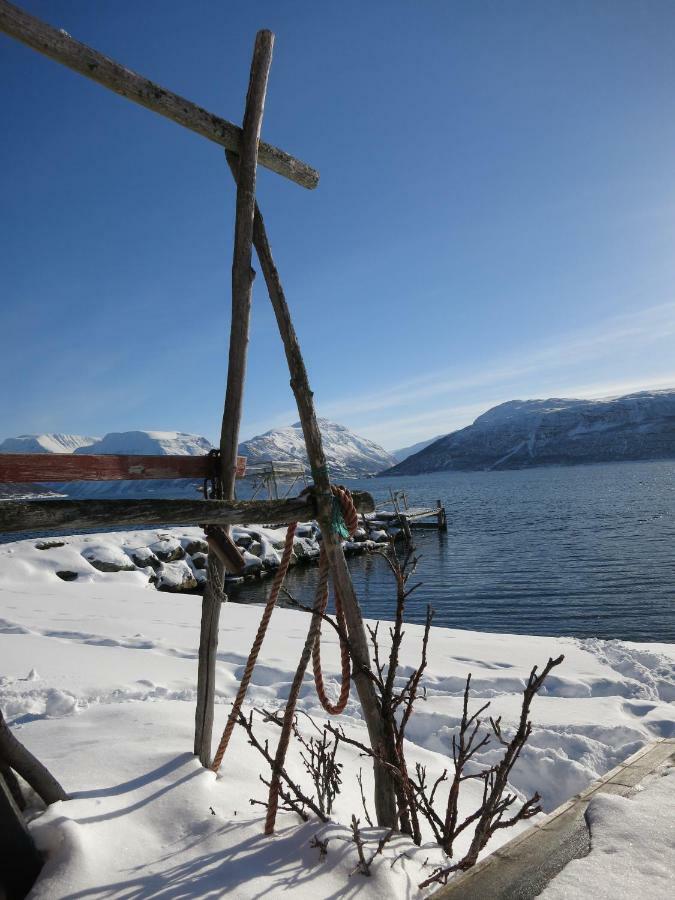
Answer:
(582, 551)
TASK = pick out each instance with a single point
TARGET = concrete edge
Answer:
(523, 866)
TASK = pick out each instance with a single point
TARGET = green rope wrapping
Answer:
(338, 520)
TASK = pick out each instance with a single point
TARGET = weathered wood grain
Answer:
(24, 468)
(242, 273)
(60, 46)
(242, 281)
(76, 515)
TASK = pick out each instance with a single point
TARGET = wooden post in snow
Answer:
(20, 862)
(17, 757)
(242, 281)
(385, 798)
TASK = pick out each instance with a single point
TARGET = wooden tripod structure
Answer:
(244, 151)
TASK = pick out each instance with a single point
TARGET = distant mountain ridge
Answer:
(149, 443)
(524, 433)
(348, 455)
(405, 452)
(47, 443)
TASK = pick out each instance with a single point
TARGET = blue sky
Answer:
(495, 217)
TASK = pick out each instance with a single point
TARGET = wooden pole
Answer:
(61, 47)
(15, 755)
(242, 281)
(20, 862)
(385, 798)
(75, 515)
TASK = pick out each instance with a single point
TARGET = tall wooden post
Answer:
(242, 281)
(385, 799)
(20, 862)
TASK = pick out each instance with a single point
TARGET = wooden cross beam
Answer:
(24, 468)
(61, 47)
(74, 515)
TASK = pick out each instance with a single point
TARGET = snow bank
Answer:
(98, 678)
(632, 847)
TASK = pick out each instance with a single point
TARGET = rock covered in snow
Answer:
(176, 577)
(108, 557)
(524, 433)
(200, 560)
(66, 575)
(347, 454)
(195, 545)
(168, 549)
(144, 557)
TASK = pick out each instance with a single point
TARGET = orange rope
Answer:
(255, 649)
(351, 521)
(312, 647)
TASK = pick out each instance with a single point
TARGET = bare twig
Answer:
(321, 846)
(363, 866)
(263, 749)
(491, 814)
(359, 778)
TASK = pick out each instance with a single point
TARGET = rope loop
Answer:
(348, 521)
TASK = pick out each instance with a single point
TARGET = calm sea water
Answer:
(583, 551)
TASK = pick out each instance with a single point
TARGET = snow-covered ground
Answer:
(98, 678)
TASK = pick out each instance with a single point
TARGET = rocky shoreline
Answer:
(174, 560)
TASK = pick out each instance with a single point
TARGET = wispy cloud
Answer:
(447, 399)
(385, 416)
(637, 329)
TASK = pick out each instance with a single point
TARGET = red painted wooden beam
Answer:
(30, 467)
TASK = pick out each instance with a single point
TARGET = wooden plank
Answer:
(385, 799)
(74, 515)
(20, 862)
(61, 47)
(522, 867)
(24, 468)
(242, 282)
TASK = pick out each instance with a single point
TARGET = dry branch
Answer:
(496, 801)
(297, 793)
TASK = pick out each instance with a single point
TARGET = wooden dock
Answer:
(407, 517)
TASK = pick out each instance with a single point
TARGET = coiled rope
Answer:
(345, 522)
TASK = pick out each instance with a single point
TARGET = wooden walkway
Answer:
(521, 869)
(407, 517)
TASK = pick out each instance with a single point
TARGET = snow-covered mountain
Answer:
(150, 443)
(347, 454)
(524, 433)
(405, 452)
(46, 443)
